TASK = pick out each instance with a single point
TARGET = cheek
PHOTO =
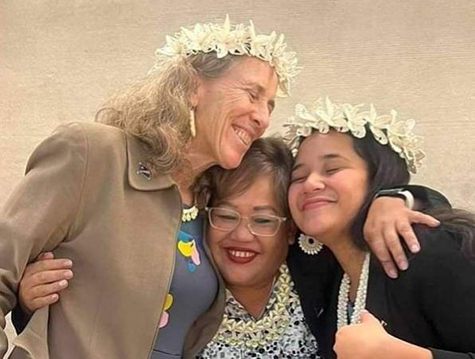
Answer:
(276, 248)
(356, 194)
(292, 199)
(215, 239)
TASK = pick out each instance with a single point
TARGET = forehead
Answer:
(254, 72)
(315, 147)
(260, 192)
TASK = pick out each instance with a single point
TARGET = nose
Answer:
(313, 182)
(261, 116)
(242, 233)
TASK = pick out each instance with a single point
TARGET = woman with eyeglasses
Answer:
(249, 234)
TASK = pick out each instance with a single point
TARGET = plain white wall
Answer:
(59, 60)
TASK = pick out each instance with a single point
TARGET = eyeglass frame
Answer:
(241, 217)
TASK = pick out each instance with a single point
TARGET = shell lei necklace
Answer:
(269, 327)
(360, 302)
(189, 214)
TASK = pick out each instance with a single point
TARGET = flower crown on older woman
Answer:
(237, 40)
(386, 129)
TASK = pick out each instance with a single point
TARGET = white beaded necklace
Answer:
(343, 297)
(189, 214)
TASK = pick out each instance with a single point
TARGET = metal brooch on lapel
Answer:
(144, 171)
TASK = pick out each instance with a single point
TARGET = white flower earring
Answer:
(309, 245)
(192, 123)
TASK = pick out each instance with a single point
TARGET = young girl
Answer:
(345, 156)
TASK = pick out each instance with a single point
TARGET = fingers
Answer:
(378, 246)
(382, 253)
(406, 231)
(45, 255)
(49, 276)
(42, 288)
(46, 290)
(43, 280)
(40, 302)
(421, 218)
(393, 243)
(46, 264)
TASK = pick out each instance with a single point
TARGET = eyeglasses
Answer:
(227, 220)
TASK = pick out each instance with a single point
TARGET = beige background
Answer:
(59, 60)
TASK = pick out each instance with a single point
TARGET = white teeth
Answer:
(243, 136)
(241, 254)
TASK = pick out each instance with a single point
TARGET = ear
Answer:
(291, 232)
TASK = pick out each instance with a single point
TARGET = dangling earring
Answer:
(309, 245)
(192, 123)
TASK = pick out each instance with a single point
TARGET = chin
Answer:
(231, 161)
(239, 280)
(315, 230)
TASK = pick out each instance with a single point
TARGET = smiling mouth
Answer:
(243, 135)
(315, 204)
(240, 256)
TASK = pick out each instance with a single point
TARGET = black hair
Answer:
(386, 169)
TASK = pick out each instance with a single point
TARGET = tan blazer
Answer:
(85, 197)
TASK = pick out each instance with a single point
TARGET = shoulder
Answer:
(437, 242)
(95, 133)
(441, 255)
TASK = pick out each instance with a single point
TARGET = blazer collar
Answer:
(140, 176)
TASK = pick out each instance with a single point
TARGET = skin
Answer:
(231, 112)
(328, 187)
(251, 282)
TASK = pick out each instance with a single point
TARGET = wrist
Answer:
(401, 193)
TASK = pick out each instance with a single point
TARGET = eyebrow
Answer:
(255, 208)
(264, 208)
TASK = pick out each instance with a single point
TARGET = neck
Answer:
(199, 157)
(198, 163)
(254, 299)
(351, 259)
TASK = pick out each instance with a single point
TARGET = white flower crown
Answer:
(387, 130)
(239, 40)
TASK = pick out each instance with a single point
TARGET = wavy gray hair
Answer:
(157, 109)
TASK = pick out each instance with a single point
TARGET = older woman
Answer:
(115, 198)
(345, 156)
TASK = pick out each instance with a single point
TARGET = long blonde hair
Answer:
(157, 109)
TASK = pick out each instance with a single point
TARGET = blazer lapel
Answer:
(140, 176)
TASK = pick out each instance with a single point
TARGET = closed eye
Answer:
(225, 217)
(253, 95)
(297, 179)
(332, 170)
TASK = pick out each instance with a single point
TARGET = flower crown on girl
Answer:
(386, 129)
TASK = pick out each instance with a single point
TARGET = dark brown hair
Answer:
(265, 156)
(388, 170)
